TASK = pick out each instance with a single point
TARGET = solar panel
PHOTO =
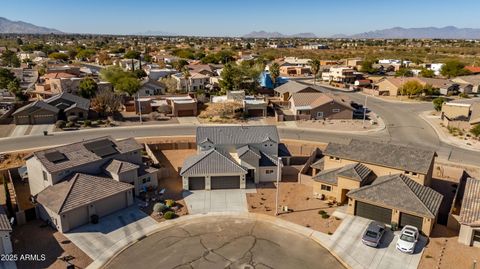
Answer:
(56, 157)
(105, 151)
(98, 144)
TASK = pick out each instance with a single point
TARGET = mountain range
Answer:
(264, 34)
(155, 33)
(448, 32)
(20, 27)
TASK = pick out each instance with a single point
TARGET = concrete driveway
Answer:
(38, 129)
(204, 201)
(346, 243)
(113, 232)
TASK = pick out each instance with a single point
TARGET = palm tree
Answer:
(274, 73)
(186, 75)
(315, 67)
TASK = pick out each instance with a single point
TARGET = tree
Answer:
(87, 88)
(140, 73)
(438, 102)
(411, 87)
(84, 54)
(5, 77)
(186, 75)
(170, 84)
(315, 67)
(9, 58)
(179, 64)
(58, 56)
(106, 102)
(128, 85)
(367, 67)
(122, 81)
(231, 78)
(475, 131)
(274, 73)
(132, 54)
(454, 68)
(404, 72)
(427, 73)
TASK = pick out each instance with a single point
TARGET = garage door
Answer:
(22, 120)
(185, 113)
(255, 112)
(111, 204)
(43, 119)
(196, 183)
(373, 212)
(407, 219)
(225, 182)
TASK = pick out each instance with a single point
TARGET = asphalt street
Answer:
(403, 126)
(225, 242)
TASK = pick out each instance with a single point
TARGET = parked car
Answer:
(408, 239)
(373, 234)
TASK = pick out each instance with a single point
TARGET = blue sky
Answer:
(234, 18)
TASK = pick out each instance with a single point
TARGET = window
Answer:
(326, 188)
(320, 114)
(45, 177)
(145, 180)
(269, 171)
(335, 110)
(414, 174)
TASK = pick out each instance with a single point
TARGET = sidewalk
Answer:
(446, 138)
(393, 101)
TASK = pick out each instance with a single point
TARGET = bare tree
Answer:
(106, 102)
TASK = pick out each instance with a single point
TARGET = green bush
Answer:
(159, 207)
(169, 203)
(325, 216)
(69, 124)
(322, 212)
(87, 123)
(60, 124)
(169, 215)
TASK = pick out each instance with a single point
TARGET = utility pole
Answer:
(365, 111)
(139, 108)
(279, 172)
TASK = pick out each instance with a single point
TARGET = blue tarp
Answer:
(266, 81)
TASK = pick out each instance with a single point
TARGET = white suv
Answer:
(408, 239)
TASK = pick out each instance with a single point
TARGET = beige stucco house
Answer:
(286, 90)
(470, 214)
(317, 105)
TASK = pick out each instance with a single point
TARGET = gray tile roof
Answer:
(211, 162)
(72, 100)
(78, 191)
(470, 211)
(237, 135)
(4, 222)
(118, 167)
(384, 154)
(39, 104)
(319, 164)
(401, 193)
(354, 171)
(248, 151)
(293, 87)
(77, 154)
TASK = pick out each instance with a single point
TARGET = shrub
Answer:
(169, 215)
(72, 118)
(69, 124)
(322, 212)
(159, 207)
(463, 95)
(60, 124)
(95, 123)
(169, 203)
(325, 216)
(87, 123)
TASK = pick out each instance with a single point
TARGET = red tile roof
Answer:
(473, 69)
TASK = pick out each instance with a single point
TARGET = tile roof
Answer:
(384, 154)
(470, 211)
(237, 135)
(78, 191)
(248, 151)
(471, 79)
(39, 104)
(316, 99)
(59, 75)
(473, 69)
(293, 87)
(354, 171)
(319, 164)
(4, 222)
(75, 100)
(211, 162)
(401, 193)
(77, 154)
(435, 82)
(118, 167)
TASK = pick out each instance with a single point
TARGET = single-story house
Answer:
(396, 199)
(470, 214)
(286, 90)
(317, 105)
(462, 114)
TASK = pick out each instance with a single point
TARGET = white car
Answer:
(408, 239)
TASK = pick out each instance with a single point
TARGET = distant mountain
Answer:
(264, 34)
(155, 33)
(448, 32)
(20, 27)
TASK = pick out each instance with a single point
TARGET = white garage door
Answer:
(111, 204)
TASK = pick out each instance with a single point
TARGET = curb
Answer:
(113, 252)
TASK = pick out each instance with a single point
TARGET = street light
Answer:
(279, 172)
(139, 108)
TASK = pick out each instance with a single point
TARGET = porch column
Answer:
(208, 180)
(185, 182)
(243, 183)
